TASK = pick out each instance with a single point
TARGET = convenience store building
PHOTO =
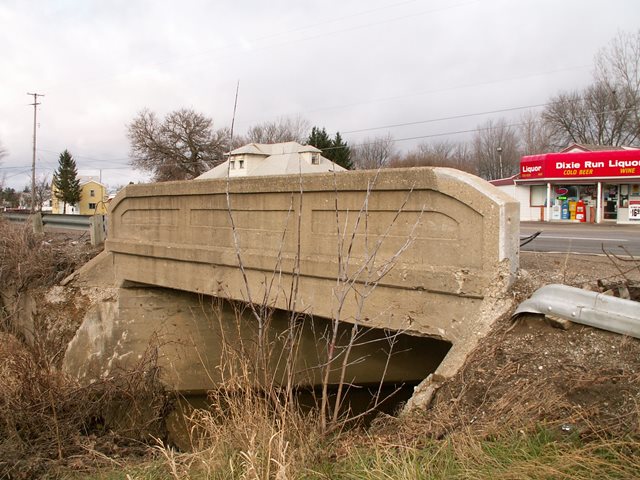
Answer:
(578, 185)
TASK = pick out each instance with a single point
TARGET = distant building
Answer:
(601, 180)
(256, 159)
(93, 199)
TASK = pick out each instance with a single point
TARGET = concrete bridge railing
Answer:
(449, 236)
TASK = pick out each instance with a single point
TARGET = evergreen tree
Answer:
(335, 149)
(341, 153)
(320, 139)
(65, 180)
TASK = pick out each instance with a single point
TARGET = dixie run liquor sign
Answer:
(608, 164)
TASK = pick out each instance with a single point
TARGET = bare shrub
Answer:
(48, 420)
(29, 260)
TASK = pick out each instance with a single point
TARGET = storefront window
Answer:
(565, 201)
(538, 195)
(574, 193)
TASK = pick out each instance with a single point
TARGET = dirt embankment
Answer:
(581, 380)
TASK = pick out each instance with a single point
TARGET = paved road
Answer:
(582, 238)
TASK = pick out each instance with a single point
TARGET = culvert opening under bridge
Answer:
(367, 370)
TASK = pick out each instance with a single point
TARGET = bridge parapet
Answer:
(435, 242)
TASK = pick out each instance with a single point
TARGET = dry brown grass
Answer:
(247, 435)
(46, 418)
(29, 260)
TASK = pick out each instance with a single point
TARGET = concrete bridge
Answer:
(424, 251)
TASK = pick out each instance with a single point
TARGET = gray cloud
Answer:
(343, 65)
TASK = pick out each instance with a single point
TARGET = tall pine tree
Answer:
(341, 152)
(65, 181)
(319, 139)
(335, 149)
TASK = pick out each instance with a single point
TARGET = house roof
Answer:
(84, 179)
(274, 149)
(588, 147)
(277, 159)
(499, 182)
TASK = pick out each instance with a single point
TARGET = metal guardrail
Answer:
(95, 224)
(16, 217)
(588, 308)
(70, 222)
(53, 220)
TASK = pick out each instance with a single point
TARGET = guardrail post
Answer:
(97, 230)
(36, 220)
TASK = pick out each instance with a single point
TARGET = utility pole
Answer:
(33, 163)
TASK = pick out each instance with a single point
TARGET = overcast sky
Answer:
(350, 66)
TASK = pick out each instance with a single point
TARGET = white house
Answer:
(256, 159)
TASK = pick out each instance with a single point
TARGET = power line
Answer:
(426, 92)
(454, 117)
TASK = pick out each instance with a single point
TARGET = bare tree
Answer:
(284, 129)
(606, 112)
(618, 67)
(536, 136)
(597, 115)
(373, 153)
(180, 147)
(618, 64)
(495, 149)
(438, 154)
(42, 191)
(3, 179)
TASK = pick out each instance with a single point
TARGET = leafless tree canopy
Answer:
(284, 129)
(438, 154)
(536, 136)
(495, 149)
(180, 147)
(606, 112)
(372, 153)
(43, 191)
(618, 64)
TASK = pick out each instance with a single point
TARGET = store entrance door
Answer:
(610, 201)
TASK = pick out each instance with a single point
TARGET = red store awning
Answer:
(623, 165)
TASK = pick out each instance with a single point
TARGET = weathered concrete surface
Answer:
(200, 341)
(178, 235)
(446, 242)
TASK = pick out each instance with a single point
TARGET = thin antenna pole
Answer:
(33, 163)
(233, 118)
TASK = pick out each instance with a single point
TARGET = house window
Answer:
(241, 164)
(315, 158)
(92, 193)
(92, 206)
(232, 165)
